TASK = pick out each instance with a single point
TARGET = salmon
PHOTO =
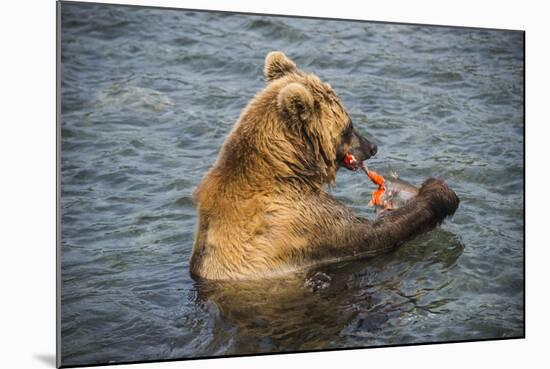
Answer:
(392, 192)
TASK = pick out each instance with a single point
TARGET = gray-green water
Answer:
(148, 96)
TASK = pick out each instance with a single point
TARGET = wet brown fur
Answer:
(262, 208)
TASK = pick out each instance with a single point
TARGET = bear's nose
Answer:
(373, 149)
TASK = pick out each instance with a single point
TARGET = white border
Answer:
(28, 181)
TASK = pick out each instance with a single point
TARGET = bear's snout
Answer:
(373, 149)
(367, 148)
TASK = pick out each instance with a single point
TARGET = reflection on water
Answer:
(147, 98)
(326, 307)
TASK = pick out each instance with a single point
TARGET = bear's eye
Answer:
(348, 131)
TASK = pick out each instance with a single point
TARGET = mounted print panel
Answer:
(242, 184)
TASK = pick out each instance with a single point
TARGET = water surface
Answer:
(148, 97)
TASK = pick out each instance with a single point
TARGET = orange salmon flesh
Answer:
(377, 179)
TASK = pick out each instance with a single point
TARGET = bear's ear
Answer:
(277, 65)
(296, 102)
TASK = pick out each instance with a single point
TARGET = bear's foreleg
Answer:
(342, 236)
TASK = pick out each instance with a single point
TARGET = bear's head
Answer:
(315, 117)
(296, 129)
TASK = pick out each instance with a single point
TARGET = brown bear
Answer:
(262, 207)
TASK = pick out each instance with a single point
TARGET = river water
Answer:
(148, 96)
